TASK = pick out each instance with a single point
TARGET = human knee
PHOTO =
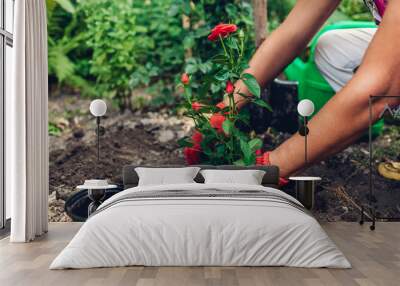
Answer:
(325, 48)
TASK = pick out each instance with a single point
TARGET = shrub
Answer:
(218, 140)
(118, 42)
(64, 38)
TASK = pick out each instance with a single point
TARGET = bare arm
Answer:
(284, 44)
(346, 115)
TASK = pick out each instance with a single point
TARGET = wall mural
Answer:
(167, 73)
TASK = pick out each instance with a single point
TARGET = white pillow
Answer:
(166, 176)
(247, 177)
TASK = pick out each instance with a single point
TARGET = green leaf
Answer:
(250, 160)
(239, 163)
(207, 109)
(249, 156)
(244, 95)
(188, 42)
(222, 75)
(186, 8)
(66, 5)
(219, 59)
(255, 144)
(227, 126)
(215, 88)
(54, 130)
(244, 116)
(188, 94)
(262, 103)
(252, 84)
(221, 150)
(246, 150)
(244, 65)
(191, 68)
(184, 142)
(232, 43)
(205, 67)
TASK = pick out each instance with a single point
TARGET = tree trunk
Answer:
(187, 26)
(260, 20)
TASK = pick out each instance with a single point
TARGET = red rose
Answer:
(192, 154)
(197, 137)
(216, 121)
(185, 79)
(230, 88)
(222, 30)
(196, 106)
(221, 105)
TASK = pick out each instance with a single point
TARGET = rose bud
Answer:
(241, 34)
(221, 105)
(185, 79)
(230, 88)
(196, 106)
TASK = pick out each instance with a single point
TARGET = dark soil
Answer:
(119, 147)
(150, 138)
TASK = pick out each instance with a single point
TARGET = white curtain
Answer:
(26, 124)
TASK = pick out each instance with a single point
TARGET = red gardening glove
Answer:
(263, 159)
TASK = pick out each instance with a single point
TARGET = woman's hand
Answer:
(286, 42)
(346, 116)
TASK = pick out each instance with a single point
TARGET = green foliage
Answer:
(278, 11)
(133, 44)
(109, 48)
(62, 21)
(355, 10)
(388, 149)
(54, 130)
(117, 42)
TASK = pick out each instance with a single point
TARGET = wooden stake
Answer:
(260, 20)
(186, 24)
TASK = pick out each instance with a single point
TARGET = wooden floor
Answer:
(375, 257)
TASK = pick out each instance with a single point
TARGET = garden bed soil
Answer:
(151, 138)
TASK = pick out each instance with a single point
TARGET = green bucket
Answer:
(312, 84)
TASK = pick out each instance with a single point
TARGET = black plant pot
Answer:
(283, 98)
(76, 206)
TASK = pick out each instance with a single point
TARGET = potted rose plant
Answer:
(217, 138)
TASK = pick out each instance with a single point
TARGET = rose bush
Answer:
(218, 138)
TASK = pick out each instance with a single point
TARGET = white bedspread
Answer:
(201, 231)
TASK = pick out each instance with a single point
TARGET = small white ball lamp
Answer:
(98, 108)
(305, 108)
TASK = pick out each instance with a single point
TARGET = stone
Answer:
(164, 136)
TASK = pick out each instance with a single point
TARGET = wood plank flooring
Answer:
(375, 257)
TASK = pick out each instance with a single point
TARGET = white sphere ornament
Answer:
(305, 107)
(98, 107)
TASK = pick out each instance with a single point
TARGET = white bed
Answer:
(267, 229)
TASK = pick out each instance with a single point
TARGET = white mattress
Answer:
(195, 231)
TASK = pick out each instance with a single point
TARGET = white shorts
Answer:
(340, 52)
